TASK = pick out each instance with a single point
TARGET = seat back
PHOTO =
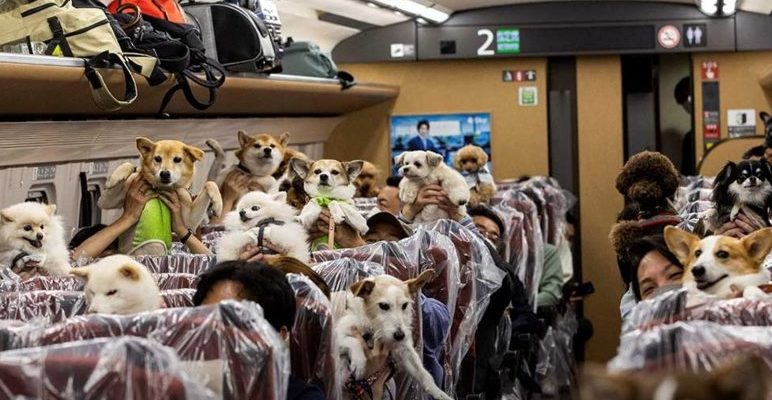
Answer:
(50, 305)
(179, 263)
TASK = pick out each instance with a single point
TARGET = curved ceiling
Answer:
(327, 22)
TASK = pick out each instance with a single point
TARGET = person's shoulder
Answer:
(299, 390)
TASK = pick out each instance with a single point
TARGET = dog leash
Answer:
(361, 387)
(262, 225)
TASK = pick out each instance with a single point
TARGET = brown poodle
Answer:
(648, 179)
(366, 181)
(471, 161)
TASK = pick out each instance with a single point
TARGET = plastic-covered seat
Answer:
(166, 281)
(672, 307)
(178, 297)
(228, 347)
(123, 368)
(50, 305)
(694, 346)
(171, 281)
(179, 263)
(313, 349)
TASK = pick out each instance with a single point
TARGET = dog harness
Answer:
(357, 389)
(261, 226)
(475, 178)
(18, 258)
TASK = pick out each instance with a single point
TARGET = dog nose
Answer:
(165, 175)
(323, 177)
(267, 151)
(698, 271)
(243, 213)
(40, 236)
(399, 335)
(753, 180)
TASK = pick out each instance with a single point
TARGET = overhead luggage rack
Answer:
(42, 86)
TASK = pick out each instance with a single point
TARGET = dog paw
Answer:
(754, 293)
(439, 395)
(120, 174)
(214, 194)
(357, 364)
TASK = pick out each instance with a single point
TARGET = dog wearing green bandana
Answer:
(330, 184)
(165, 165)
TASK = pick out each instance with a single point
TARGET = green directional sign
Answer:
(508, 41)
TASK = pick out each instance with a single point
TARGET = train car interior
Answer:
(386, 199)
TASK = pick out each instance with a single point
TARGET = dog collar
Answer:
(324, 201)
(262, 225)
(243, 168)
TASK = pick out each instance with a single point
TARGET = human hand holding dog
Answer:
(429, 194)
(345, 236)
(252, 252)
(740, 227)
(138, 194)
(235, 185)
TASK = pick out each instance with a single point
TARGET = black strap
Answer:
(243, 168)
(262, 225)
(18, 258)
(58, 38)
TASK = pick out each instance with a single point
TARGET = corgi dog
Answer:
(421, 168)
(472, 163)
(165, 165)
(119, 285)
(743, 187)
(260, 216)
(716, 263)
(375, 320)
(330, 184)
(32, 237)
(367, 180)
(259, 156)
(746, 378)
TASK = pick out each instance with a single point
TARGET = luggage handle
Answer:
(135, 10)
(99, 91)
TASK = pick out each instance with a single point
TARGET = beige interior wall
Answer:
(739, 87)
(519, 134)
(600, 130)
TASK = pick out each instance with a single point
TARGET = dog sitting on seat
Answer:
(119, 285)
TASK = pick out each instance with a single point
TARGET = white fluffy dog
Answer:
(31, 235)
(421, 168)
(381, 307)
(119, 285)
(260, 216)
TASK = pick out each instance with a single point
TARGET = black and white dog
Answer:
(743, 187)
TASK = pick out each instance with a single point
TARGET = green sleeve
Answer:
(551, 284)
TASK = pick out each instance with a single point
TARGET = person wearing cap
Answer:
(388, 196)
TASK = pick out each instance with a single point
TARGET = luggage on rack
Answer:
(71, 32)
(307, 59)
(235, 36)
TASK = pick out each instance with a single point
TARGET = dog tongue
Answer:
(37, 244)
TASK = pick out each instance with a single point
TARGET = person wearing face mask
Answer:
(267, 286)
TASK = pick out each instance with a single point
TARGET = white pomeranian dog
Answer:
(421, 168)
(119, 285)
(32, 236)
(259, 217)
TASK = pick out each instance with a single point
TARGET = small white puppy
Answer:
(330, 183)
(421, 168)
(259, 216)
(30, 234)
(381, 306)
(119, 285)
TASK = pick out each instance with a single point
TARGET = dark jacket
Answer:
(299, 390)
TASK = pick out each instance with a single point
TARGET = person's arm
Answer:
(172, 200)
(233, 187)
(138, 194)
(429, 194)
(551, 284)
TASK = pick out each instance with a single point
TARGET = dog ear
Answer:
(130, 272)
(724, 176)
(284, 139)
(244, 139)
(279, 196)
(398, 159)
(764, 116)
(5, 218)
(194, 152)
(363, 288)
(415, 284)
(353, 168)
(80, 272)
(433, 159)
(145, 146)
(680, 243)
(483, 157)
(50, 209)
(300, 166)
(758, 244)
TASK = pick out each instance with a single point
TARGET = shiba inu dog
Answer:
(32, 237)
(165, 165)
(745, 378)
(367, 180)
(421, 168)
(330, 183)
(260, 216)
(716, 263)
(379, 310)
(743, 187)
(119, 285)
(258, 156)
